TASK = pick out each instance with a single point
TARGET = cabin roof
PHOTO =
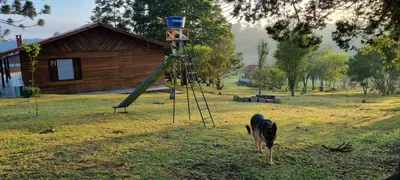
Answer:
(248, 68)
(84, 28)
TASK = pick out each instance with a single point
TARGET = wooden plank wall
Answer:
(15, 70)
(109, 60)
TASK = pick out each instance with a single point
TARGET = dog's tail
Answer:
(248, 129)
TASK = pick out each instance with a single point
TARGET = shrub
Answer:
(31, 92)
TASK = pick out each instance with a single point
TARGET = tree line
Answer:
(296, 64)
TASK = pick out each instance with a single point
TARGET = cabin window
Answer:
(65, 69)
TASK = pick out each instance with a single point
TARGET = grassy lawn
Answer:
(92, 142)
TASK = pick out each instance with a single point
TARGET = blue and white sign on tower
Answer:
(176, 21)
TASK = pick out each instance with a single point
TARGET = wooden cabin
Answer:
(94, 57)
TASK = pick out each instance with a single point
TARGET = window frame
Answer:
(53, 69)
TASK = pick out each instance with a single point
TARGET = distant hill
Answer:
(11, 44)
(247, 38)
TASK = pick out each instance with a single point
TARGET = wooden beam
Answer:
(8, 72)
(5, 69)
(177, 34)
(2, 73)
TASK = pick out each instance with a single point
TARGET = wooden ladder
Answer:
(192, 66)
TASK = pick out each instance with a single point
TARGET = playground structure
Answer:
(178, 36)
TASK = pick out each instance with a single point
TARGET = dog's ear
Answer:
(274, 128)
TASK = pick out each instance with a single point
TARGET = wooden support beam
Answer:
(177, 34)
(2, 73)
(8, 72)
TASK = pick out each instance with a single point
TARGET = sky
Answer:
(65, 15)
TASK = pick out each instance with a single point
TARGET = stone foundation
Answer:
(257, 98)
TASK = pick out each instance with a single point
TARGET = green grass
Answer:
(92, 142)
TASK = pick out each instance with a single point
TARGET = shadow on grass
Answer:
(77, 111)
(192, 152)
(146, 155)
(376, 147)
(333, 100)
(89, 159)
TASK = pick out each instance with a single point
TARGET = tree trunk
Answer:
(365, 90)
(329, 85)
(33, 79)
(326, 83)
(292, 83)
(322, 82)
(305, 81)
(313, 83)
(172, 76)
(380, 85)
(211, 82)
(292, 91)
(169, 76)
(344, 81)
(220, 84)
(365, 86)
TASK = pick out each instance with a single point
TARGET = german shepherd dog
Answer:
(263, 129)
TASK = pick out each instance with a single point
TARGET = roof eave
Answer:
(84, 28)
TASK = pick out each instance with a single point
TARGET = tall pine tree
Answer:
(111, 12)
(9, 11)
